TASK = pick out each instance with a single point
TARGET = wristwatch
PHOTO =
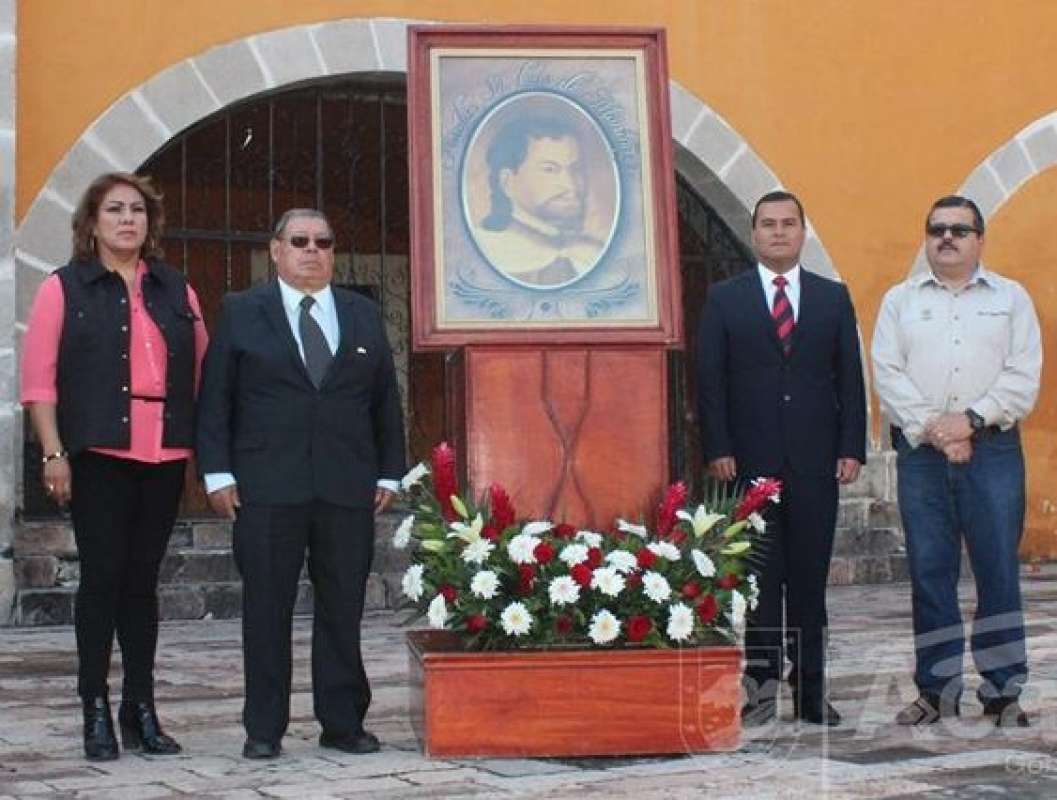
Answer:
(977, 422)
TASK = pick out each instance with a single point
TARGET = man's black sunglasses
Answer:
(300, 241)
(958, 231)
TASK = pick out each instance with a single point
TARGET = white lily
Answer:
(414, 476)
(467, 532)
(630, 527)
(402, 536)
(538, 527)
(701, 521)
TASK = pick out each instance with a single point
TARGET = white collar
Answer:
(292, 297)
(791, 276)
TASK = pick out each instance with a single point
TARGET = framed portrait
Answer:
(542, 187)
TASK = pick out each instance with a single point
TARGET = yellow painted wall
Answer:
(869, 110)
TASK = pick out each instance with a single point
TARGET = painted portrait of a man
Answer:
(540, 192)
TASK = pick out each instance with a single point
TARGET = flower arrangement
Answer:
(504, 583)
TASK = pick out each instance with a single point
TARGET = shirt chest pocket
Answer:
(991, 328)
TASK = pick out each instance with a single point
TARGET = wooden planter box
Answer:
(571, 702)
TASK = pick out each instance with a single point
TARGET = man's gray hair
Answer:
(298, 213)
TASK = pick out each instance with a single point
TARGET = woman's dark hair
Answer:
(84, 216)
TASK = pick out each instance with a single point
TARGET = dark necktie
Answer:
(782, 313)
(317, 351)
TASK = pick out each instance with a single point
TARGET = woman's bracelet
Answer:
(53, 456)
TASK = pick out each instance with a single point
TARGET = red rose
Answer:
(638, 628)
(581, 573)
(634, 580)
(491, 532)
(563, 625)
(449, 592)
(708, 608)
(728, 581)
(646, 558)
(526, 572)
(691, 589)
(564, 531)
(544, 552)
(594, 558)
(475, 623)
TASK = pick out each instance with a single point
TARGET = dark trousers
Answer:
(981, 502)
(270, 544)
(123, 513)
(794, 569)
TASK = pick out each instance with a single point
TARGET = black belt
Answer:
(147, 399)
(991, 430)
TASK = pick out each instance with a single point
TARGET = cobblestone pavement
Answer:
(199, 695)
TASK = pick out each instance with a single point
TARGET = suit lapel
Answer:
(347, 333)
(758, 300)
(804, 315)
(276, 314)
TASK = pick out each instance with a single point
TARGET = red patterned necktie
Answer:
(782, 314)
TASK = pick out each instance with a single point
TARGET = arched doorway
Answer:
(340, 144)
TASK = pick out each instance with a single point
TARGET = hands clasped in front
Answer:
(951, 434)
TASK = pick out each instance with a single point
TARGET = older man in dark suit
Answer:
(300, 441)
(780, 393)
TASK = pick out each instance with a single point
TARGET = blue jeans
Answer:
(982, 501)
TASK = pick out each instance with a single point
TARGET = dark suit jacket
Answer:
(771, 412)
(261, 418)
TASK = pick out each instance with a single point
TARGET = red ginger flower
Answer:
(445, 484)
(708, 609)
(674, 499)
(639, 627)
(760, 493)
(491, 532)
(503, 515)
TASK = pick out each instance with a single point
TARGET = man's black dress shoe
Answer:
(357, 744)
(140, 729)
(256, 749)
(820, 713)
(1006, 712)
(100, 744)
(754, 715)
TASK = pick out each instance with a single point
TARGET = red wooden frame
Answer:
(428, 332)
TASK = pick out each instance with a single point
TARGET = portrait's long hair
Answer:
(87, 211)
(507, 150)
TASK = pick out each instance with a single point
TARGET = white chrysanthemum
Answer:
(563, 591)
(757, 522)
(402, 535)
(573, 554)
(622, 561)
(412, 582)
(754, 592)
(536, 528)
(630, 527)
(680, 622)
(664, 550)
(522, 548)
(484, 584)
(438, 612)
(656, 587)
(608, 581)
(737, 607)
(703, 563)
(604, 627)
(590, 538)
(701, 521)
(516, 620)
(477, 552)
(414, 475)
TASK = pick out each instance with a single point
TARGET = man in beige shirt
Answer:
(957, 356)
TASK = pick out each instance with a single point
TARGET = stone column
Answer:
(10, 414)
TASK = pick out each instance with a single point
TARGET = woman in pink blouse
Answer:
(109, 371)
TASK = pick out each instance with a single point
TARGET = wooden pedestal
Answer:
(535, 703)
(577, 435)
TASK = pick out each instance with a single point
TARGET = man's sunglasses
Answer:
(958, 231)
(300, 241)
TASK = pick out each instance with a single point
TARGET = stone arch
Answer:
(1012, 164)
(719, 163)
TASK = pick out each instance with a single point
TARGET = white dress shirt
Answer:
(325, 314)
(937, 351)
(792, 288)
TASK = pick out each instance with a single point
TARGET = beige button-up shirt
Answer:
(936, 351)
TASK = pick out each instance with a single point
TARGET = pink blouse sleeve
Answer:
(201, 336)
(40, 345)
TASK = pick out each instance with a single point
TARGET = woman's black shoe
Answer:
(140, 729)
(99, 741)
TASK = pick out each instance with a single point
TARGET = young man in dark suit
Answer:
(301, 442)
(780, 394)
